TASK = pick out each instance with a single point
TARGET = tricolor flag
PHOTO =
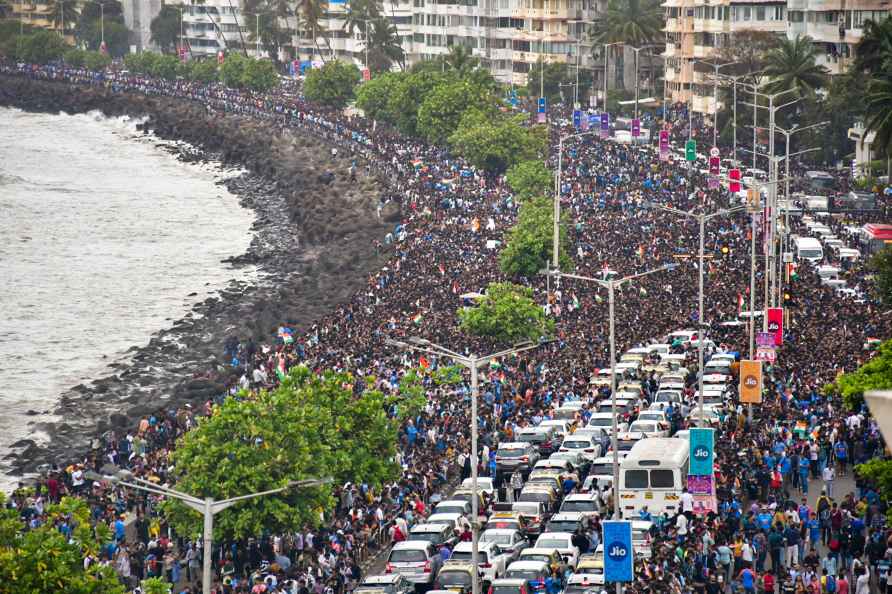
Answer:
(422, 362)
(739, 303)
(417, 318)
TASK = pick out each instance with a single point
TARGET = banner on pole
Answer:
(664, 145)
(750, 382)
(619, 558)
(577, 119)
(701, 443)
(636, 127)
(776, 324)
(605, 125)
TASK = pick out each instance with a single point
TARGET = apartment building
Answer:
(39, 13)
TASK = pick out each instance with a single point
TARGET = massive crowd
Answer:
(443, 248)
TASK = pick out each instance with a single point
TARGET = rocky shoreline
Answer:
(313, 245)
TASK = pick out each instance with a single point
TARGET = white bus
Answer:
(809, 248)
(654, 473)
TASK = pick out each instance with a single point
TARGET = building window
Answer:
(746, 13)
(760, 13)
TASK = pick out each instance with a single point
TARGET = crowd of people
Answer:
(764, 535)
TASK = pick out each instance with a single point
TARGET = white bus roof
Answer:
(659, 451)
(807, 242)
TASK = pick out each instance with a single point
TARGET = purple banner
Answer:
(700, 485)
(605, 125)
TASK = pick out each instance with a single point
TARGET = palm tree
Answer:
(631, 22)
(310, 12)
(873, 54)
(792, 66)
(384, 46)
(460, 59)
(63, 12)
(878, 111)
(359, 12)
(5, 9)
(271, 35)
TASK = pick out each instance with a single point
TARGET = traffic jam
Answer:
(545, 516)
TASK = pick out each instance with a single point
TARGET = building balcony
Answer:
(703, 51)
(544, 14)
(672, 26)
(672, 50)
(825, 32)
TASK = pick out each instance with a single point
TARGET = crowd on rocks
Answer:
(446, 245)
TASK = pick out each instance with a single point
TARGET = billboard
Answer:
(619, 557)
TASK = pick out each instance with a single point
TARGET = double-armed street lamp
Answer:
(208, 506)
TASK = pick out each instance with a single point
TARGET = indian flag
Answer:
(417, 318)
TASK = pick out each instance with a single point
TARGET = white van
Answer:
(809, 248)
(654, 473)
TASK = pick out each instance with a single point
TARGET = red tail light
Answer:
(524, 458)
(486, 565)
(427, 566)
(589, 450)
(388, 568)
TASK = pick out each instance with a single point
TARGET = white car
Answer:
(583, 503)
(560, 427)
(493, 560)
(484, 484)
(587, 446)
(650, 428)
(655, 415)
(563, 542)
(604, 420)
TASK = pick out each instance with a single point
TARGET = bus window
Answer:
(636, 479)
(662, 479)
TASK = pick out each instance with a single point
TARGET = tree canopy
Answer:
(374, 97)
(165, 28)
(529, 179)
(876, 374)
(881, 264)
(311, 426)
(494, 141)
(507, 314)
(332, 85)
(792, 65)
(443, 107)
(529, 244)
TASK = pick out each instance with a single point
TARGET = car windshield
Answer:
(580, 589)
(601, 469)
(522, 574)
(501, 523)
(552, 543)
(496, 538)
(407, 556)
(510, 452)
(811, 253)
(576, 444)
(601, 422)
(535, 496)
(644, 427)
(434, 537)
(578, 506)
(505, 590)
(563, 526)
(462, 578)
(536, 557)
(466, 556)
(626, 445)
(650, 417)
(449, 509)
(531, 438)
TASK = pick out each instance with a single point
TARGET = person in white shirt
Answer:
(687, 503)
(828, 474)
(862, 584)
(681, 525)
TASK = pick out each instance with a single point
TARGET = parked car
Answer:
(415, 560)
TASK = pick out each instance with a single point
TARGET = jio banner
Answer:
(577, 119)
(776, 324)
(594, 120)
(605, 125)
(540, 117)
(664, 145)
(619, 558)
(750, 382)
(701, 451)
(636, 128)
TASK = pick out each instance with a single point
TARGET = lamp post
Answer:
(208, 507)
(701, 218)
(474, 363)
(637, 81)
(611, 285)
(715, 96)
(555, 259)
(606, 55)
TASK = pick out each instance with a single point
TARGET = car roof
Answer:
(529, 564)
(556, 535)
(386, 578)
(508, 582)
(444, 516)
(462, 546)
(456, 564)
(580, 497)
(428, 528)
(513, 445)
(461, 502)
(567, 516)
(501, 530)
(537, 551)
(412, 544)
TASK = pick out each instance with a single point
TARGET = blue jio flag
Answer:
(594, 120)
(701, 451)
(577, 119)
(541, 104)
(619, 557)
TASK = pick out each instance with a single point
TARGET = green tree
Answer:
(202, 70)
(96, 61)
(409, 93)
(551, 80)
(360, 12)
(494, 142)
(874, 52)
(530, 179)
(232, 72)
(460, 59)
(442, 109)
(881, 264)
(329, 425)
(75, 57)
(142, 63)
(271, 33)
(384, 46)
(42, 46)
(792, 65)
(878, 111)
(165, 67)
(529, 244)
(5, 9)
(332, 85)
(117, 37)
(310, 13)
(42, 559)
(876, 374)
(63, 12)
(633, 22)
(260, 75)
(507, 314)
(880, 473)
(373, 97)
(155, 585)
(165, 28)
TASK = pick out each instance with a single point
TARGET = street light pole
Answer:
(606, 55)
(701, 218)
(208, 507)
(637, 50)
(473, 363)
(555, 257)
(715, 96)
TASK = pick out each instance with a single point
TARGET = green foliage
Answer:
(10, 38)
(202, 70)
(97, 61)
(880, 473)
(260, 75)
(874, 51)
(310, 426)
(166, 67)
(494, 142)
(881, 264)
(155, 585)
(165, 28)
(529, 244)
(793, 65)
(384, 46)
(41, 47)
(878, 110)
(444, 107)
(876, 374)
(373, 97)
(43, 560)
(409, 93)
(332, 85)
(273, 32)
(508, 314)
(76, 58)
(529, 179)
(232, 70)
(634, 22)
(117, 36)
(550, 80)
